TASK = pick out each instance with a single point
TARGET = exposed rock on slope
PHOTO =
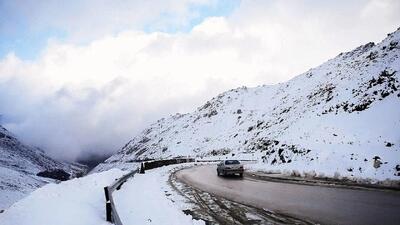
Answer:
(24, 168)
(337, 118)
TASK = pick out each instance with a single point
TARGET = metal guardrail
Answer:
(148, 165)
(111, 211)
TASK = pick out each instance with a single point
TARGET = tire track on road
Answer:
(214, 209)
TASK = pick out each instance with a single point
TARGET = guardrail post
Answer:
(108, 205)
(142, 169)
(106, 193)
(108, 211)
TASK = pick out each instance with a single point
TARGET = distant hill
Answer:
(21, 165)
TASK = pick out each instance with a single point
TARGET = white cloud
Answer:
(90, 19)
(213, 26)
(79, 99)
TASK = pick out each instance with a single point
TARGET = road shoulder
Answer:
(315, 181)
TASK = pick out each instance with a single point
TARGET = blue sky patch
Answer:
(17, 36)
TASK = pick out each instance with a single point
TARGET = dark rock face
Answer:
(280, 152)
(373, 90)
(55, 174)
(397, 170)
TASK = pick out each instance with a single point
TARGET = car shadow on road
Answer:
(231, 177)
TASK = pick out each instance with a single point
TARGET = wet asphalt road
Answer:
(325, 205)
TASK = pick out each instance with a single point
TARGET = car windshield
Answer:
(231, 162)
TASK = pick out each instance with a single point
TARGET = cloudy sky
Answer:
(83, 77)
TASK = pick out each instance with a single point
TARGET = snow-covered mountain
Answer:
(342, 117)
(24, 168)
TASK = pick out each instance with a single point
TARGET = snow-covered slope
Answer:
(80, 201)
(75, 202)
(19, 166)
(340, 117)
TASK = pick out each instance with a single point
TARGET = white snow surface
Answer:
(79, 201)
(141, 200)
(340, 117)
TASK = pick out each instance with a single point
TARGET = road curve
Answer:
(325, 205)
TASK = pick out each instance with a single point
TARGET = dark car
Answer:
(230, 167)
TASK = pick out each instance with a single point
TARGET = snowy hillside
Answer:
(342, 117)
(20, 164)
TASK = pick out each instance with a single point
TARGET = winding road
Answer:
(321, 204)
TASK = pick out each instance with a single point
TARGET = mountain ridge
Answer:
(338, 118)
(24, 168)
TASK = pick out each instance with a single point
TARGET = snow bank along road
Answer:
(326, 205)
